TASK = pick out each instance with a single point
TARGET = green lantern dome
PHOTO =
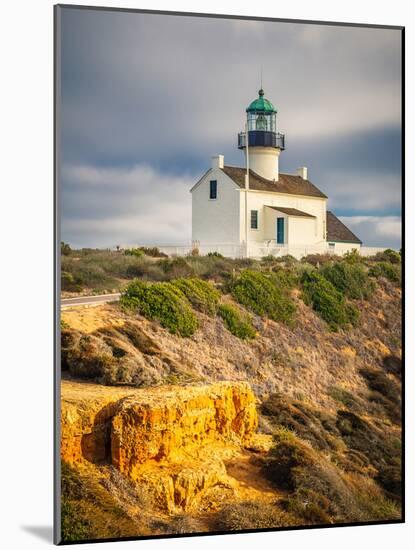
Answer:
(261, 105)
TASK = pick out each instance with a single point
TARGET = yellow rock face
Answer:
(173, 439)
(169, 424)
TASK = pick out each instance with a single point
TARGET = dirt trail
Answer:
(252, 485)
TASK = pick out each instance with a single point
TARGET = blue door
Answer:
(280, 230)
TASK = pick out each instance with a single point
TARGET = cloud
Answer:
(148, 98)
(361, 192)
(126, 93)
(103, 207)
(381, 231)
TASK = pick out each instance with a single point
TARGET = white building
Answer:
(255, 210)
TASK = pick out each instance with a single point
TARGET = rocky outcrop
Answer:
(166, 424)
(174, 439)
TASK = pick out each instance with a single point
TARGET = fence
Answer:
(260, 249)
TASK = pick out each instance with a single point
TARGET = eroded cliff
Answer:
(174, 439)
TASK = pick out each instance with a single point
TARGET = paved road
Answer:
(89, 300)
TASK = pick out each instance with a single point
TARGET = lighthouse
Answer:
(261, 142)
(255, 210)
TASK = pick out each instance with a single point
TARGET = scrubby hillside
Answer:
(319, 343)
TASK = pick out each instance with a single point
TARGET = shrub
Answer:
(90, 511)
(363, 436)
(327, 301)
(134, 252)
(69, 283)
(352, 257)
(388, 255)
(293, 418)
(201, 294)
(239, 325)
(285, 278)
(251, 515)
(287, 259)
(385, 391)
(309, 476)
(268, 259)
(153, 251)
(65, 249)
(261, 294)
(393, 364)
(387, 270)
(214, 255)
(162, 302)
(345, 398)
(309, 505)
(175, 268)
(351, 279)
(85, 273)
(390, 478)
(74, 525)
(319, 259)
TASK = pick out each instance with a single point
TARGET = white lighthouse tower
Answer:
(261, 141)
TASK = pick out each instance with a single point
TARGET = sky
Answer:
(148, 99)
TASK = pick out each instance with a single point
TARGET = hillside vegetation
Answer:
(318, 341)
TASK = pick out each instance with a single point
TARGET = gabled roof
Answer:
(291, 211)
(338, 232)
(292, 185)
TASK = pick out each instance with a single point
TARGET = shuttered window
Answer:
(254, 219)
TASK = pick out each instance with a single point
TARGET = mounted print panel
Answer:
(229, 304)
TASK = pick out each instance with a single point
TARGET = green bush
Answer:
(388, 255)
(238, 325)
(387, 270)
(201, 294)
(352, 257)
(351, 279)
(268, 259)
(153, 251)
(288, 259)
(162, 302)
(69, 283)
(175, 268)
(262, 294)
(134, 252)
(319, 259)
(74, 526)
(214, 255)
(327, 301)
(65, 249)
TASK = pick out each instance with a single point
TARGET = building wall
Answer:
(302, 230)
(342, 248)
(257, 200)
(216, 220)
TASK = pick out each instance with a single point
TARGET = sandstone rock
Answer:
(165, 424)
(174, 440)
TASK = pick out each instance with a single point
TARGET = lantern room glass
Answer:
(262, 121)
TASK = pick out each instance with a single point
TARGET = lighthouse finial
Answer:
(261, 91)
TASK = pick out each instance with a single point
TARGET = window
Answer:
(254, 219)
(332, 245)
(213, 192)
(280, 230)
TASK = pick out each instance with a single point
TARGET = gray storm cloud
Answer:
(147, 99)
